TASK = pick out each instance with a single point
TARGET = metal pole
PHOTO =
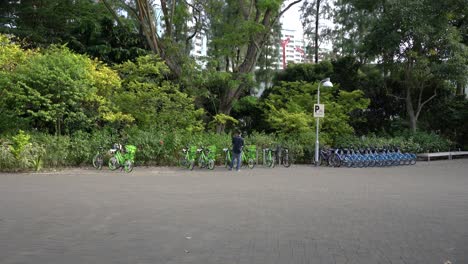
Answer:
(317, 129)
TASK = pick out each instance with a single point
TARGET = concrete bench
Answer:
(448, 154)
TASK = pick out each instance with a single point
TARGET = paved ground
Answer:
(416, 214)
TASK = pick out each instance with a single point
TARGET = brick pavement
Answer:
(416, 214)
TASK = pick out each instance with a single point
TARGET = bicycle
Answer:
(282, 156)
(98, 159)
(187, 157)
(285, 160)
(249, 156)
(325, 156)
(121, 159)
(227, 157)
(207, 157)
(269, 157)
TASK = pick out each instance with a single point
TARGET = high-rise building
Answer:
(199, 46)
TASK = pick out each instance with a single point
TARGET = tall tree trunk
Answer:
(413, 119)
(460, 89)
(316, 37)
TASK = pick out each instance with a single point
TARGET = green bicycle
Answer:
(227, 157)
(249, 156)
(187, 157)
(98, 159)
(121, 159)
(207, 157)
(269, 157)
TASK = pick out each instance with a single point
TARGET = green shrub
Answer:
(161, 147)
(20, 141)
(7, 159)
(20, 153)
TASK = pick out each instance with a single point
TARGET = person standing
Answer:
(237, 144)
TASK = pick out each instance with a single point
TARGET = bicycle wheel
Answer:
(128, 166)
(191, 164)
(227, 162)
(286, 161)
(348, 162)
(271, 161)
(361, 163)
(201, 163)
(183, 162)
(211, 164)
(113, 163)
(98, 161)
(335, 160)
(251, 163)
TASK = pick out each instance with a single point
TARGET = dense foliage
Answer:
(71, 81)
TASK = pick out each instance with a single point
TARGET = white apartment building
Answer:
(199, 48)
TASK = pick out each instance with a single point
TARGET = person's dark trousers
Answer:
(236, 156)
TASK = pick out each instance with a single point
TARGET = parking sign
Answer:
(319, 110)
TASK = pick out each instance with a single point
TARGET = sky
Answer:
(291, 18)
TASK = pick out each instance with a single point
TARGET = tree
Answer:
(289, 109)
(154, 101)
(74, 23)
(237, 31)
(415, 45)
(352, 24)
(57, 91)
(313, 11)
(305, 72)
(169, 38)
(11, 55)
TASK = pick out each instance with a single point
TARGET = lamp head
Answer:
(327, 83)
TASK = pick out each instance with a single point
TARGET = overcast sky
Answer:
(291, 18)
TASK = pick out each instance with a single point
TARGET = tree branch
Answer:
(112, 11)
(420, 95)
(284, 10)
(166, 18)
(194, 32)
(425, 102)
(197, 22)
(396, 97)
(131, 9)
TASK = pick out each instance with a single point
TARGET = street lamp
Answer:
(326, 83)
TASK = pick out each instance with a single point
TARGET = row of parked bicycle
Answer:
(366, 157)
(120, 157)
(205, 157)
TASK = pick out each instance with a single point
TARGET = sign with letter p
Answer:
(319, 110)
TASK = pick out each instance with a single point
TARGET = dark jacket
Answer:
(237, 143)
